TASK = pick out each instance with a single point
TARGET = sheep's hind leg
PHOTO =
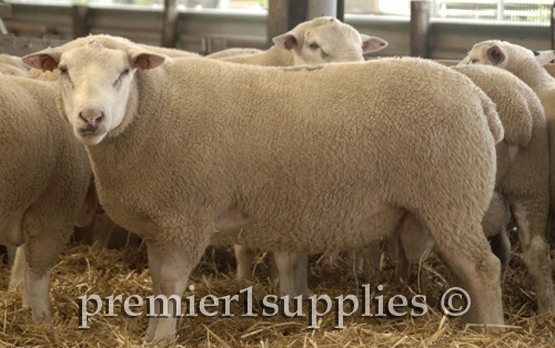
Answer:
(501, 246)
(371, 261)
(170, 270)
(244, 257)
(292, 267)
(465, 248)
(46, 230)
(531, 224)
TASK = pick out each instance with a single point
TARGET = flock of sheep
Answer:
(191, 151)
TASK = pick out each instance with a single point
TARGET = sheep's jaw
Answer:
(88, 135)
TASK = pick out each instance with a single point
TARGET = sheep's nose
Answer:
(91, 117)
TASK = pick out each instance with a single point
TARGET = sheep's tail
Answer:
(492, 117)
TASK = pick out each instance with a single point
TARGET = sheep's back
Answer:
(299, 149)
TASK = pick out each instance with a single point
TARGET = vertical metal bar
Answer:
(553, 27)
(169, 26)
(435, 5)
(80, 21)
(419, 28)
(284, 15)
(341, 10)
(500, 9)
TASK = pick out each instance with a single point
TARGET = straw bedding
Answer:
(82, 271)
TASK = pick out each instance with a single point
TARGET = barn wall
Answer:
(448, 41)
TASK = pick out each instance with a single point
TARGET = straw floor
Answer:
(81, 271)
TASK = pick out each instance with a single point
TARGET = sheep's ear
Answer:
(544, 57)
(287, 41)
(145, 60)
(43, 60)
(495, 55)
(372, 44)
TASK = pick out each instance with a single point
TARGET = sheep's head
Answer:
(327, 40)
(96, 82)
(505, 55)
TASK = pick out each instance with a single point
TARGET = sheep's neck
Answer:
(279, 57)
(534, 76)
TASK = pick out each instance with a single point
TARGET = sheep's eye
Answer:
(314, 46)
(63, 70)
(117, 83)
(473, 61)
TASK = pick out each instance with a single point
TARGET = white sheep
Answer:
(527, 65)
(321, 40)
(45, 174)
(194, 151)
(522, 182)
(12, 65)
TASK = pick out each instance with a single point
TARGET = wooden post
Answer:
(5, 10)
(211, 44)
(553, 27)
(419, 28)
(284, 15)
(341, 10)
(80, 21)
(169, 30)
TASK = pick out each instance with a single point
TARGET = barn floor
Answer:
(80, 271)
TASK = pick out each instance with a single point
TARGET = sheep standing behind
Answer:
(321, 40)
(522, 182)
(45, 175)
(527, 65)
(280, 158)
(318, 41)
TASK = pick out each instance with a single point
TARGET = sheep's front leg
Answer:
(169, 269)
(17, 275)
(36, 286)
(292, 267)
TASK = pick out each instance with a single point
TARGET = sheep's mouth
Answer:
(86, 134)
(88, 137)
(91, 131)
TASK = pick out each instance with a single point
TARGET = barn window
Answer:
(514, 12)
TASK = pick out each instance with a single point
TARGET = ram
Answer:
(45, 175)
